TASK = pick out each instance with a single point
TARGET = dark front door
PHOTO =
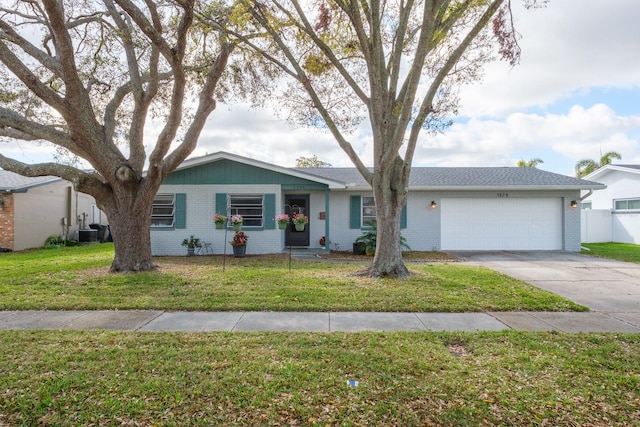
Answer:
(295, 204)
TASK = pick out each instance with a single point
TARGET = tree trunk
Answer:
(131, 231)
(387, 261)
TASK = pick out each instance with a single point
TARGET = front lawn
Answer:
(78, 278)
(620, 251)
(248, 379)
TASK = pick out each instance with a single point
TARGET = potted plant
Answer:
(367, 242)
(219, 220)
(191, 243)
(236, 222)
(299, 221)
(282, 220)
(239, 244)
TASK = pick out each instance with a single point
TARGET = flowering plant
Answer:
(282, 218)
(236, 219)
(219, 218)
(300, 219)
(239, 239)
(190, 242)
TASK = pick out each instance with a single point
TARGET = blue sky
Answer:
(575, 94)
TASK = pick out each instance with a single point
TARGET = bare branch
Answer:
(29, 79)
(427, 102)
(10, 120)
(309, 30)
(75, 91)
(11, 35)
(205, 106)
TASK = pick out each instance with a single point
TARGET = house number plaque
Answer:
(502, 195)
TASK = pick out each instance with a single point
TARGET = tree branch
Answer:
(306, 83)
(12, 122)
(425, 107)
(308, 29)
(79, 105)
(205, 106)
(47, 61)
(30, 80)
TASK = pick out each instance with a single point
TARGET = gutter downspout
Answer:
(587, 195)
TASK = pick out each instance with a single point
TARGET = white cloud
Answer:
(261, 135)
(567, 48)
(581, 133)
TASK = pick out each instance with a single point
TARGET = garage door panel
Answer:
(501, 224)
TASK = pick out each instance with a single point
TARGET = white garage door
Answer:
(502, 224)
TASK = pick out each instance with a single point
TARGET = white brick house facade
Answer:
(511, 208)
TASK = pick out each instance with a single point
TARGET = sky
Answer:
(574, 95)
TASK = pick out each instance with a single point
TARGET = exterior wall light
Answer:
(573, 204)
(433, 204)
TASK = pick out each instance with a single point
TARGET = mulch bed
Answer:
(409, 256)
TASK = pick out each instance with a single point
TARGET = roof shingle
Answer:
(448, 177)
(10, 181)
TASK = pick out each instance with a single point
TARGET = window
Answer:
(368, 210)
(362, 209)
(163, 212)
(251, 207)
(628, 204)
(585, 205)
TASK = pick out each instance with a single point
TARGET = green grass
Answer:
(620, 251)
(78, 278)
(246, 379)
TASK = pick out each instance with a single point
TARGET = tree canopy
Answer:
(311, 162)
(87, 77)
(397, 66)
(531, 163)
(585, 166)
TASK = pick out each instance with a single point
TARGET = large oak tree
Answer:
(86, 76)
(396, 65)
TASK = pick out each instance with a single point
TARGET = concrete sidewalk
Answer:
(157, 321)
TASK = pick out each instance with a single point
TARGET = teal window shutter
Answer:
(403, 217)
(269, 212)
(221, 203)
(180, 220)
(355, 212)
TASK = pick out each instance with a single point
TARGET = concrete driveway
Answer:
(601, 284)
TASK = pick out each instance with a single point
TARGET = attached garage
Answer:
(447, 208)
(502, 223)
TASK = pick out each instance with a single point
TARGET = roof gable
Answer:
(604, 170)
(225, 168)
(12, 182)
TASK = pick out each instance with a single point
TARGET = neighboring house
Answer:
(613, 215)
(501, 208)
(32, 209)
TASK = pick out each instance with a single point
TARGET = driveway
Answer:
(601, 284)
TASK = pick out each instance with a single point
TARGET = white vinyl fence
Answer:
(603, 225)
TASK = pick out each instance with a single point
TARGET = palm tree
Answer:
(586, 166)
(533, 163)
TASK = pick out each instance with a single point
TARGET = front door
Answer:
(295, 204)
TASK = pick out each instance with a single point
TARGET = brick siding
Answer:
(7, 239)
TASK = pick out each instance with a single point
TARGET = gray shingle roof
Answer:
(465, 177)
(10, 181)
